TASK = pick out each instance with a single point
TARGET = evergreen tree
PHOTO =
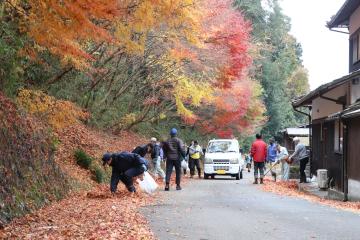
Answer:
(278, 65)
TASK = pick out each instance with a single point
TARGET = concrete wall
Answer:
(354, 189)
(323, 108)
(354, 21)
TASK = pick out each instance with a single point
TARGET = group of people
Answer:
(126, 166)
(274, 154)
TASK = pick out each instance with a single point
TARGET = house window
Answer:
(355, 49)
(338, 137)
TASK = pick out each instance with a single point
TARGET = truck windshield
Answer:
(221, 146)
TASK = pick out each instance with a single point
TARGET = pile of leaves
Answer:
(29, 176)
(95, 215)
(291, 188)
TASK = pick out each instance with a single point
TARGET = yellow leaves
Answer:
(127, 120)
(192, 93)
(176, 19)
(181, 109)
(125, 34)
(57, 113)
(162, 116)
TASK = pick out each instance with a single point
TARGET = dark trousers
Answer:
(170, 164)
(192, 164)
(303, 163)
(259, 167)
(125, 177)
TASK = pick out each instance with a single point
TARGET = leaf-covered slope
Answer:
(29, 176)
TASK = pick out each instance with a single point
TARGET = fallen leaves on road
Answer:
(95, 215)
(291, 188)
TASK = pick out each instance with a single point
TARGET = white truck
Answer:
(223, 157)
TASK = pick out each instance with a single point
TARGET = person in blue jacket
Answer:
(271, 155)
(125, 166)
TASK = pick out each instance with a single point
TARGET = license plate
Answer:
(220, 172)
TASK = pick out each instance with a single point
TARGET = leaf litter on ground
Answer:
(84, 214)
(94, 214)
(291, 188)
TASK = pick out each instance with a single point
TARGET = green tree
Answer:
(278, 64)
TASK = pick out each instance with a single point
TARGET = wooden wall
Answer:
(354, 149)
(323, 154)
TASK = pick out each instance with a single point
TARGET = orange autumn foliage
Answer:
(57, 113)
(65, 27)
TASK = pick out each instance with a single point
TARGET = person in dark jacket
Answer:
(142, 150)
(125, 166)
(174, 152)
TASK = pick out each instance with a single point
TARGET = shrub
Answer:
(99, 174)
(82, 159)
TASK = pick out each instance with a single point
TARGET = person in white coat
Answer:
(282, 157)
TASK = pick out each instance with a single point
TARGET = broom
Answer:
(273, 174)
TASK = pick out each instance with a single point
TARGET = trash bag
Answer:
(184, 164)
(148, 185)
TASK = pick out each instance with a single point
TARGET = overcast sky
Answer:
(325, 53)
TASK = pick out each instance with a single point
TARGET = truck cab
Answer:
(223, 157)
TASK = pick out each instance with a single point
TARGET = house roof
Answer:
(307, 99)
(352, 111)
(297, 131)
(341, 19)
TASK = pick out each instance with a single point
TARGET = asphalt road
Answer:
(224, 209)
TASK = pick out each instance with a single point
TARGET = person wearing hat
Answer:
(174, 151)
(156, 158)
(125, 166)
(300, 155)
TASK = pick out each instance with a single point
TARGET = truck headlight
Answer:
(234, 160)
(208, 160)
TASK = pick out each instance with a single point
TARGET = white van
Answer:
(223, 157)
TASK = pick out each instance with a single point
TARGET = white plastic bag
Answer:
(184, 164)
(148, 185)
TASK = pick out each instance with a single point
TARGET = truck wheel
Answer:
(206, 176)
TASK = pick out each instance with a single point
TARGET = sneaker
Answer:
(167, 187)
(256, 181)
(261, 181)
(178, 187)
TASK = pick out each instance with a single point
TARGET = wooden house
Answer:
(335, 113)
